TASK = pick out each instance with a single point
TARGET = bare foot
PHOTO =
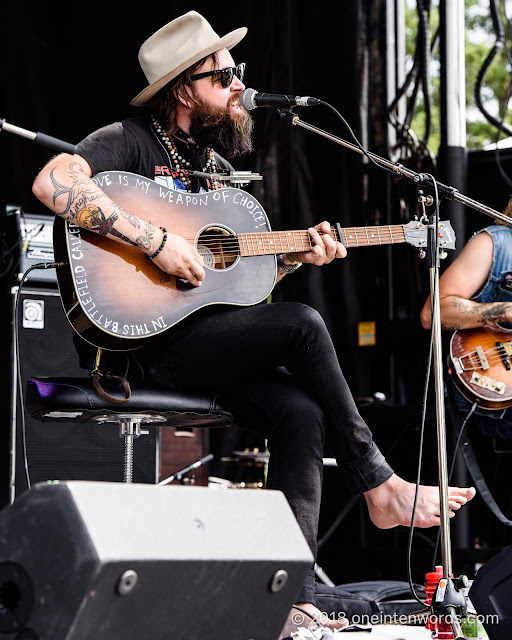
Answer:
(390, 504)
(298, 619)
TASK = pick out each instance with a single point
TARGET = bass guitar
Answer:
(482, 366)
(116, 299)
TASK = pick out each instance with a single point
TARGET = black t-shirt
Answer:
(133, 145)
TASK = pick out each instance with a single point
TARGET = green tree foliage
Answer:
(479, 42)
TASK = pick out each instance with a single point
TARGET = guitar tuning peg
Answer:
(421, 253)
(442, 254)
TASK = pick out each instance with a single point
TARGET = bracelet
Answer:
(164, 240)
(287, 268)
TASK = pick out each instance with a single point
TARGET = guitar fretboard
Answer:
(275, 242)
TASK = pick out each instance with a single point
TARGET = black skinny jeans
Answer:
(277, 369)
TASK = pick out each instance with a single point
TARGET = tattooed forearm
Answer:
(462, 305)
(494, 312)
(145, 241)
(488, 313)
(80, 188)
(80, 202)
(451, 327)
(81, 208)
(135, 222)
(93, 218)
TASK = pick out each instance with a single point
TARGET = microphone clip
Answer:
(237, 177)
(288, 115)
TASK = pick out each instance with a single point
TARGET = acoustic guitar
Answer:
(481, 366)
(117, 299)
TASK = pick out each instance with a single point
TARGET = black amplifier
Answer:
(27, 240)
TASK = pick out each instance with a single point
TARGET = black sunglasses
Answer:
(226, 75)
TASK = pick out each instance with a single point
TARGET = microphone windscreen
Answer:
(247, 99)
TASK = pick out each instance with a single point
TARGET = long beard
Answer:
(229, 133)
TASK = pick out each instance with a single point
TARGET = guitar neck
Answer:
(275, 242)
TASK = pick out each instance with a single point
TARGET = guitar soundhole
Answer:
(218, 247)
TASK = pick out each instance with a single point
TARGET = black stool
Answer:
(76, 400)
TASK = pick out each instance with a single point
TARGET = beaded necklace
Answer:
(182, 166)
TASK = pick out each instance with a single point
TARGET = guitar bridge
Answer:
(467, 362)
(485, 382)
(483, 358)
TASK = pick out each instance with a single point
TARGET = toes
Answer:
(470, 493)
(463, 495)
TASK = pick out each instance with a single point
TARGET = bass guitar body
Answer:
(482, 366)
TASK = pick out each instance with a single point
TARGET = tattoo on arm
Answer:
(93, 218)
(135, 222)
(493, 312)
(144, 241)
(487, 313)
(90, 216)
(78, 195)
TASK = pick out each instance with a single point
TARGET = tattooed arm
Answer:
(461, 280)
(65, 187)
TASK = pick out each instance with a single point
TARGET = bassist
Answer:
(476, 291)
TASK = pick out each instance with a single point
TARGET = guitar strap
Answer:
(97, 374)
(469, 455)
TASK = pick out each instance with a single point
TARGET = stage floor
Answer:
(375, 632)
(392, 632)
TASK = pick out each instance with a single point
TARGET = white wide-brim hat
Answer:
(176, 47)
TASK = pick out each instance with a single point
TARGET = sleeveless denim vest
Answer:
(498, 288)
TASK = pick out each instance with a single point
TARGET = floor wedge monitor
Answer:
(491, 595)
(112, 561)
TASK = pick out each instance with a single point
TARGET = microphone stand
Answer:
(449, 601)
(420, 178)
(39, 138)
(180, 475)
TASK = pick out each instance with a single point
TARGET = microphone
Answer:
(39, 138)
(250, 99)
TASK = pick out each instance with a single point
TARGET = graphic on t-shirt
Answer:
(169, 179)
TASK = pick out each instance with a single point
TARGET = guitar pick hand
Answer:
(180, 258)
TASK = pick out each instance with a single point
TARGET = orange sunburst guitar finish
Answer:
(482, 366)
(117, 299)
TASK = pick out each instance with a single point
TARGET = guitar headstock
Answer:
(415, 233)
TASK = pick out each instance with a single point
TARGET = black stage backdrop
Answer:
(69, 69)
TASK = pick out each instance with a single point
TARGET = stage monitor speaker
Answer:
(491, 595)
(110, 561)
(66, 451)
